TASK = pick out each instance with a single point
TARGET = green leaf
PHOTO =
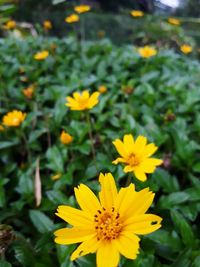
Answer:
(41, 222)
(5, 263)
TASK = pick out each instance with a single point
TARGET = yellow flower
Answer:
(147, 51)
(14, 118)
(56, 176)
(41, 55)
(10, 25)
(47, 25)
(28, 92)
(135, 155)
(174, 21)
(82, 101)
(108, 226)
(186, 49)
(65, 138)
(102, 89)
(137, 13)
(72, 18)
(82, 8)
(1, 128)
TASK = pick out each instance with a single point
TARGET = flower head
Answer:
(41, 55)
(47, 25)
(82, 8)
(65, 138)
(137, 13)
(174, 21)
(82, 101)
(186, 49)
(102, 89)
(72, 18)
(10, 25)
(136, 156)
(147, 51)
(14, 118)
(28, 92)
(109, 225)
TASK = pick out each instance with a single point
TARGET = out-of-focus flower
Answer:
(102, 89)
(56, 176)
(137, 13)
(41, 55)
(127, 89)
(72, 18)
(1, 128)
(186, 49)
(47, 25)
(10, 25)
(14, 118)
(108, 226)
(147, 51)
(82, 8)
(82, 101)
(174, 21)
(28, 92)
(136, 156)
(65, 138)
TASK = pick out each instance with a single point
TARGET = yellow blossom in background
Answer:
(72, 18)
(56, 176)
(65, 138)
(186, 49)
(174, 21)
(47, 25)
(14, 118)
(136, 156)
(108, 226)
(41, 55)
(137, 13)
(1, 128)
(82, 8)
(147, 51)
(28, 92)
(102, 89)
(82, 101)
(10, 25)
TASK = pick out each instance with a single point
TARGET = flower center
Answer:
(133, 160)
(107, 224)
(83, 102)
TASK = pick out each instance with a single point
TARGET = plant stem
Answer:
(90, 134)
(128, 181)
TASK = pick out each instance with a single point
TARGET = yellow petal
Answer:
(140, 143)
(93, 100)
(89, 246)
(125, 198)
(129, 142)
(120, 147)
(128, 245)
(150, 149)
(74, 216)
(118, 160)
(85, 94)
(107, 255)
(143, 224)
(66, 236)
(140, 175)
(87, 199)
(77, 96)
(108, 192)
(129, 168)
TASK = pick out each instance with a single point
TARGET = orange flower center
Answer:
(133, 160)
(107, 224)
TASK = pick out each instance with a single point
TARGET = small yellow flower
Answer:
(41, 55)
(82, 8)
(174, 21)
(14, 118)
(10, 25)
(147, 51)
(28, 92)
(72, 18)
(47, 25)
(65, 138)
(137, 13)
(108, 226)
(1, 128)
(56, 176)
(82, 101)
(102, 89)
(186, 49)
(136, 156)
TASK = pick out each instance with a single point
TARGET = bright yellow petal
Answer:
(140, 175)
(77, 96)
(89, 246)
(120, 147)
(129, 168)
(125, 198)
(127, 245)
(85, 94)
(74, 216)
(153, 161)
(129, 142)
(108, 192)
(118, 160)
(143, 224)
(87, 199)
(140, 143)
(107, 255)
(66, 236)
(93, 100)
(149, 150)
